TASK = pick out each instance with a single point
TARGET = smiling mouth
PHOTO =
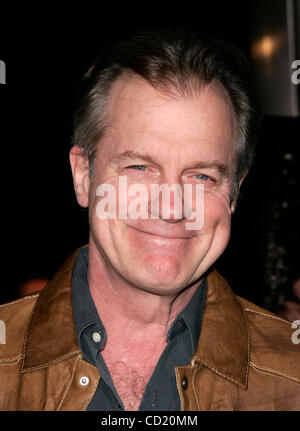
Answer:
(163, 235)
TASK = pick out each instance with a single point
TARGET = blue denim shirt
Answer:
(161, 392)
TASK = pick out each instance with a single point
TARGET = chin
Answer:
(161, 274)
(161, 288)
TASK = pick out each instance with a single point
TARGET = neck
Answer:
(127, 309)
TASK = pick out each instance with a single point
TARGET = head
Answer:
(164, 108)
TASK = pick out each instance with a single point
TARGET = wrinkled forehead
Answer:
(137, 111)
(131, 94)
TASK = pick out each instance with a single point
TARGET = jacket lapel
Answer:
(51, 334)
(224, 343)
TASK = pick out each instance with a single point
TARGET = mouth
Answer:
(158, 233)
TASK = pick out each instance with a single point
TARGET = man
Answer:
(139, 319)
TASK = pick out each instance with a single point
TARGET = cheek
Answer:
(217, 211)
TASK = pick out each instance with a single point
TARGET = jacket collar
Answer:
(223, 345)
(51, 335)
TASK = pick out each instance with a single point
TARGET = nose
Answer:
(167, 202)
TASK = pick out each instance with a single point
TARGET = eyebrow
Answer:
(133, 155)
(215, 164)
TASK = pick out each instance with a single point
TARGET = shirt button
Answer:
(185, 383)
(84, 381)
(96, 337)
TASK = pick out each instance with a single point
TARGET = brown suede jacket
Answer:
(246, 357)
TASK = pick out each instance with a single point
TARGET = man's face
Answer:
(154, 138)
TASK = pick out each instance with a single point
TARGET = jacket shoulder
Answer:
(274, 344)
(14, 317)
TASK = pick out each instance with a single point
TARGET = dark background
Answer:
(46, 52)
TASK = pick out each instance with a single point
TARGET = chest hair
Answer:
(130, 382)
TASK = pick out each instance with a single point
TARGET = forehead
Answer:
(139, 115)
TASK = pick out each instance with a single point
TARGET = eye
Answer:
(137, 167)
(203, 177)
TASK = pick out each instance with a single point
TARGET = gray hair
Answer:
(169, 60)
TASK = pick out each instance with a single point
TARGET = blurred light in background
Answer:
(274, 47)
(265, 47)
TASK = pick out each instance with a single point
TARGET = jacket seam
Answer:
(193, 385)
(69, 385)
(268, 315)
(248, 341)
(92, 394)
(225, 376)
(19, 300)
(93, 388)
(25, 338)
(54, 361)
(182, 407)
(272, 372)
(10, 361)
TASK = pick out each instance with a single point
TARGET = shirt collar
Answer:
(191, 316)
(86, 317)
(87, 320)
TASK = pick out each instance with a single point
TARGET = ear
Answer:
(236, 194)
(80, 171)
